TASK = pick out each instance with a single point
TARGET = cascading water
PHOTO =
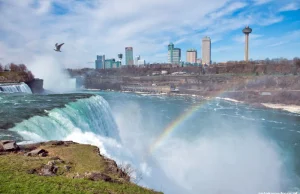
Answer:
(86, 115)
(15, 88)
(201, 156)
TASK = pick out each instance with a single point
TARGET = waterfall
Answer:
(91, 115)
(15, 88)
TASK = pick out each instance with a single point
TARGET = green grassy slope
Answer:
(14, 176)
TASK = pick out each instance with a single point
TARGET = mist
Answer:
(51, 70)
(227, 158)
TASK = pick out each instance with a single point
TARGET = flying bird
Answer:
(58, 46)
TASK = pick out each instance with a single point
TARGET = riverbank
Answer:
(284, 107)
(61, 167)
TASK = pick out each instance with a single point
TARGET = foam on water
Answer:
(225, 159)
(15, 88)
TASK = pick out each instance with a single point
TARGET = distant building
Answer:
(112, 63)
(199, 61)
(191, 56)
(206, 50)
(141, 62)
(174, 54)
(129, 55)
(100, 62)
(136, 60)
(109, 63)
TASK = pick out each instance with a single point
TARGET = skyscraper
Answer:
(174, 54)
(129, 55)
(191, 56)
(100, 62)
(206, 50)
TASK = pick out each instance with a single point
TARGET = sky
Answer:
(30, 28)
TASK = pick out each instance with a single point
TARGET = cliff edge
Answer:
(60, 167)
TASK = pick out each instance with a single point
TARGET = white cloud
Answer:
(228, 9)
(291, 7)
(260, 2)
(106, 27)
(277, 43)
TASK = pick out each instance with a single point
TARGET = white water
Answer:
(219, 161)
(17, 88)
(51, 70)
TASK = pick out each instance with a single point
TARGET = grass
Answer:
(82, 158)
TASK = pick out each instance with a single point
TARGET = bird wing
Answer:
(58, 46)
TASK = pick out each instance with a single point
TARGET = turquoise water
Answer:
(223, 147)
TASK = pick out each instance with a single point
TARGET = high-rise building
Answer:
(191, 56)
(206, 51)
(100, 62)
(112, 63)
(174, 54)
(109, 63)
(129, 55)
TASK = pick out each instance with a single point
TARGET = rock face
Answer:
(36, 85)
(8, 146)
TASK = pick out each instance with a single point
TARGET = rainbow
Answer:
(174, 124)
(183, 117)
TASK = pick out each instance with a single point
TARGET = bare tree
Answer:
(1, 68)
(22, 67)
(134, 174)
(14, 67)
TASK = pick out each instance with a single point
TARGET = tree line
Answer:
(17, 71)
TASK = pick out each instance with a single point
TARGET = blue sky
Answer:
(30, 28)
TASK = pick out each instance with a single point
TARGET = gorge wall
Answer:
(249, 82)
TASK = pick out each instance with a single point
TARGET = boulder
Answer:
(51, 163)
(95, 176)
(8, 145)
(37, 152)
(49, 169)
(46, 171)
(43, 154)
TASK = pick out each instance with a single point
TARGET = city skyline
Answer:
(88, 28)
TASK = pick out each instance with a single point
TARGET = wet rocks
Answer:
(8, 146)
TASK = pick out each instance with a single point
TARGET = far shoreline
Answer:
(283, 107)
